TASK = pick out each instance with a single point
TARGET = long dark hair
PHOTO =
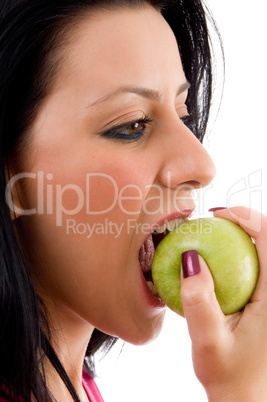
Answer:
(32, 33)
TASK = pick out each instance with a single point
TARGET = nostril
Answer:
(191, 185)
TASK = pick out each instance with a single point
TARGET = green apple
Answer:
(228, 251)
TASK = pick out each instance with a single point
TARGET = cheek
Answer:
(115, 193)
(78, 212)
(85, 191)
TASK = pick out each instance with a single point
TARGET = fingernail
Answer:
(190, 263)
(216, 209)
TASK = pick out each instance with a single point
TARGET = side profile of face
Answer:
(108, 152)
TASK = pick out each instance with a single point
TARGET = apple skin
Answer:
(229, 252)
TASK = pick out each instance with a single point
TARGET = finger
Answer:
(205, 319)
(255, 224)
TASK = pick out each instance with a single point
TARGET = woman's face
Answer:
(110, 158)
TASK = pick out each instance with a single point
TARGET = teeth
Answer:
(152, 287)
(161, 229)
(171, 225)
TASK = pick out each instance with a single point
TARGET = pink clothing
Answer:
(90, 388)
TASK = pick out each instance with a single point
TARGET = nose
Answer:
(184, 158)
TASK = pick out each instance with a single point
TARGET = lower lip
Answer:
(153, 301)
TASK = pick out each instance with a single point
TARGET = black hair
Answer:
(32, 33)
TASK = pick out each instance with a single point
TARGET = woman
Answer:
(96, 153)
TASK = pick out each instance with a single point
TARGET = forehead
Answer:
(122, 44)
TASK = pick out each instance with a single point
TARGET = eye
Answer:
(182, 112)
(188, 119)
(130, 131)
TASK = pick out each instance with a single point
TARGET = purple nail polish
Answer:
(216, 209)
(190, 263)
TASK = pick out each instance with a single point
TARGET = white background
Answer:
(162, 370)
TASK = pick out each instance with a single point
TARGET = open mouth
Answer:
(146, 252)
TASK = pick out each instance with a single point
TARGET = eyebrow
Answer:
(144, 92)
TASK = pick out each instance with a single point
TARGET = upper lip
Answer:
(185, 213)
(182, 214)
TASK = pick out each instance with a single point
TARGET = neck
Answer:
(70, 336)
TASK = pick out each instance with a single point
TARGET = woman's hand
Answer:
(230, 352)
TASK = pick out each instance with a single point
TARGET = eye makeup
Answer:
(131, 131)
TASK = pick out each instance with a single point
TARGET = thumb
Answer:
(205, 319)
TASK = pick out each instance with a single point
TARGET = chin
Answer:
(146, 333)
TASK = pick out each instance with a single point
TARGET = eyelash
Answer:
(114, 132)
